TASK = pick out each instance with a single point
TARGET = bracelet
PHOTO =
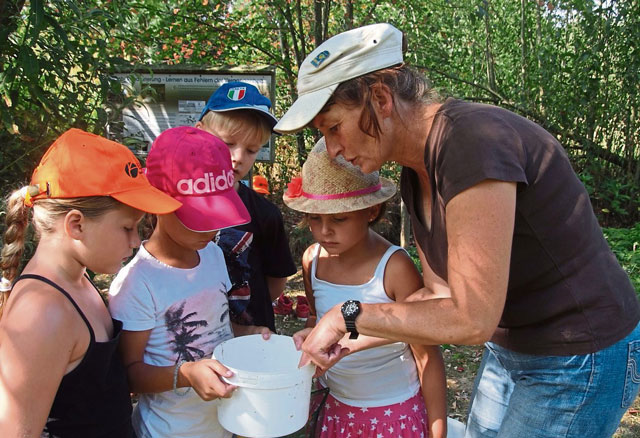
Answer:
(175, 379)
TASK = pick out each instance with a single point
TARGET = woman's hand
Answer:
(300, 336)
(321, 344)
(204, 377)
(298, 340)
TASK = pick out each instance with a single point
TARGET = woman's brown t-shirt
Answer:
(567, 293)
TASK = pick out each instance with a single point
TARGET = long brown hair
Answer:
(405, 84)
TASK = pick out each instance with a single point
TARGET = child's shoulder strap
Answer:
(314, 260)
(63, 292)
(382, 264)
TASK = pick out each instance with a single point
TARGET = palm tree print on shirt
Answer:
(184, 332)
(184, 328)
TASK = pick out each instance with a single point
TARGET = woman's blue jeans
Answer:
(525, 396)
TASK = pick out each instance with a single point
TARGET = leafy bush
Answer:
(299, 240)
(625, 243)
(413, 252)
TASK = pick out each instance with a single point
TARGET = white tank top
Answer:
(378, 376)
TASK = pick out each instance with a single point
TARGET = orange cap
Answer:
(80, 164)
(260, 184)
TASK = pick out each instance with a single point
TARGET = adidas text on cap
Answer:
(194, 167)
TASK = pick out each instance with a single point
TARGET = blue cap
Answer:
(239, 96)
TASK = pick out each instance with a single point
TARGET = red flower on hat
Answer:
(294, 188)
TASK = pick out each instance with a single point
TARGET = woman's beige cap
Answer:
(345, 56)
(330, 186)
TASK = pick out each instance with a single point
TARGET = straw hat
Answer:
(330, 186)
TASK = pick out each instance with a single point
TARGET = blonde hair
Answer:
(251, 122)
(45, 214)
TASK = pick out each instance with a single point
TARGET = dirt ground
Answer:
(461, 365)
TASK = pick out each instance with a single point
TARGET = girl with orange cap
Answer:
(60, 374)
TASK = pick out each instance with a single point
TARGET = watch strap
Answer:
(351, 328)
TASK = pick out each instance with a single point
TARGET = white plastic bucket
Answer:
(273, 394)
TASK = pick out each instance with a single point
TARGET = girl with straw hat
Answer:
(375, 390)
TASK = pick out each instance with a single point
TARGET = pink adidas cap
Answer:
(194, 167)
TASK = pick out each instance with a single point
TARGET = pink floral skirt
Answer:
(407, 419)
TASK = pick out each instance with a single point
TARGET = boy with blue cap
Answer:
(257, 254)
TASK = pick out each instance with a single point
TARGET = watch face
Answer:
(350, 308)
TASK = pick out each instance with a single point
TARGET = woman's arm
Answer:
(39, 339)
(203, 375)
(480, 223)
(350, 345)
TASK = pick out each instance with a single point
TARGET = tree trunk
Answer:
(541, 108)
(523, 50)
(491, 73)
(405, 226)
(303, 46)
(349, 17)
(318, 22)
(325, 20)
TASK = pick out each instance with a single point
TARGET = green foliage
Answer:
(413, 253)
(300, 239)
(613, 199)
(625, 244)
(572, 66)
(54, 74)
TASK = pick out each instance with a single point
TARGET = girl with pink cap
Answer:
(172, 296)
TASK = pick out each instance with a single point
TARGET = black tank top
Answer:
(93, 399)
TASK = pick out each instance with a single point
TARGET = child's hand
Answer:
(204, 377)
(300, 336)
(244, 330)
(264, 331)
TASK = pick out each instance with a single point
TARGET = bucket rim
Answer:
(264, 379)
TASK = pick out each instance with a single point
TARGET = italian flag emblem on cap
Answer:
(236, 93)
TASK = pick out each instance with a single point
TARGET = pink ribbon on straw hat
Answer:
(294, 190)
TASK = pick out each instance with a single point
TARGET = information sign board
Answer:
(178, 97)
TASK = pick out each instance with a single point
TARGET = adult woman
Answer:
(510, 248)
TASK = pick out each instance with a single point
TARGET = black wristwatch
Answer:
(350, 311)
